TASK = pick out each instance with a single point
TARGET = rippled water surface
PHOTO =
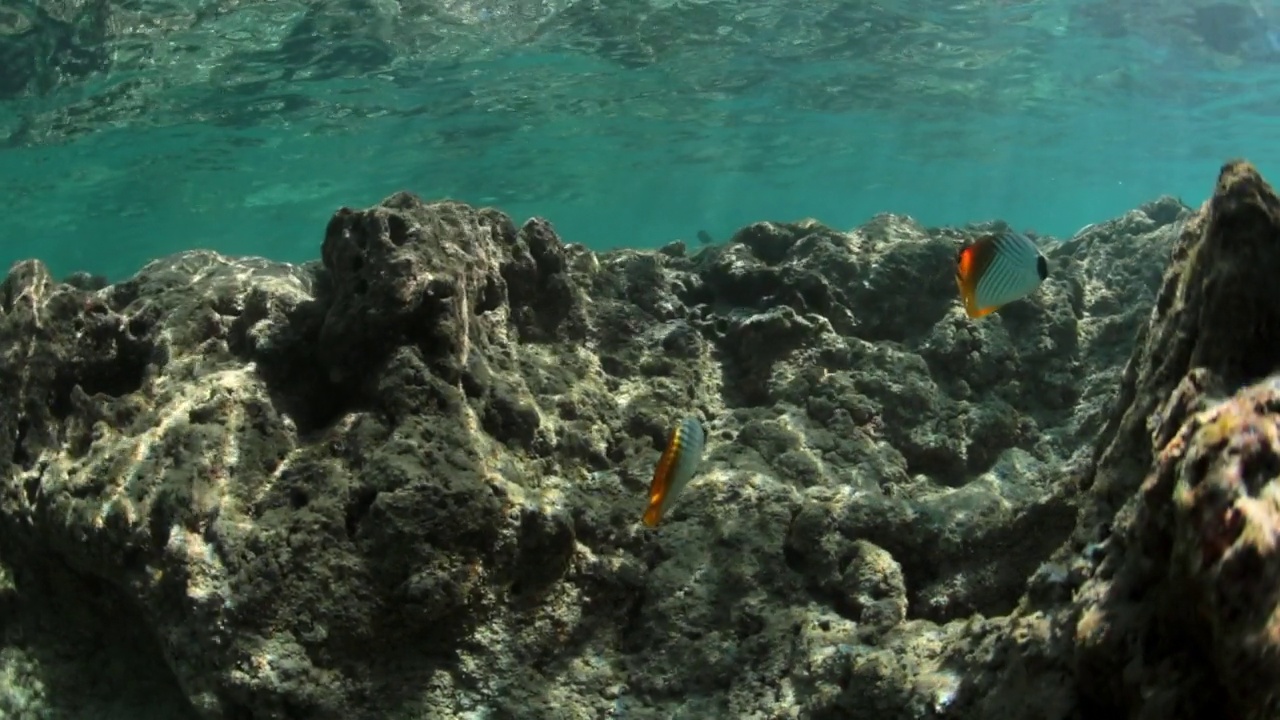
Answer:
(133, 128)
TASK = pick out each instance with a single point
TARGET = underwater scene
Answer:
(639, 360)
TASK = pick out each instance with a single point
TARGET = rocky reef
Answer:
(406, 481)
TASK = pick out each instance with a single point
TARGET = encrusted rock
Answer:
(1179, 568)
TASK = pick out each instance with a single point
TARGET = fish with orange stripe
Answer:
(995, 270)
(676, 467)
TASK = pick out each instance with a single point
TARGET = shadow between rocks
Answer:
(67, 659)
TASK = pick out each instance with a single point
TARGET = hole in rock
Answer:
(358, 508)
(120, 376)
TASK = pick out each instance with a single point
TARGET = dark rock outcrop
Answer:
(406, 481)
(1197, 540)
(1171, 565)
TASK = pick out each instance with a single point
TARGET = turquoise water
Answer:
(132, 129)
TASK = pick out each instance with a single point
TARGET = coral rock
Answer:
(406, 480)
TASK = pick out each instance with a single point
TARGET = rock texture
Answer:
(406, 481)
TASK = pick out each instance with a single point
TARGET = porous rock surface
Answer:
(405, 482)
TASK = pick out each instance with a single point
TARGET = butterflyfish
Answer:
(995, 270)
(676, 467)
